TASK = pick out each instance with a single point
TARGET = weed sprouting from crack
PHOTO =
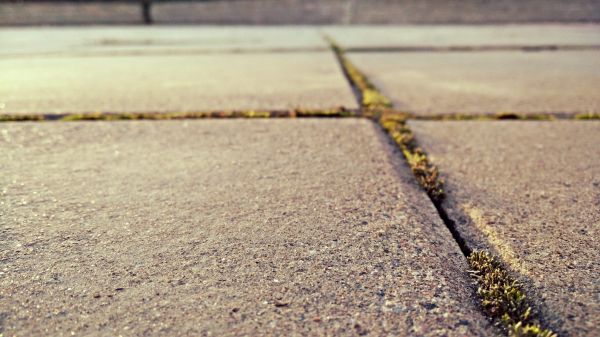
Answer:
(502, 298)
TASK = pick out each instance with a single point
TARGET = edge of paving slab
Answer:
(501, 297)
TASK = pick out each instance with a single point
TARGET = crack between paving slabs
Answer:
(118, 116)
(482, 48)
(501, 297)
(293, 113)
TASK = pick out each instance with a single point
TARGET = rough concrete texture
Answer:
(156, 83)
(29, 41)
(222, 227)
(486, 82)
(531, 191)
(441, 36)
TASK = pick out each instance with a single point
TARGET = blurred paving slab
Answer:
(18, 12)
(115, 40)
(486, 82)
(474, 11)
(532, 191)
(68, 12)
(375, 11)
(167, 83)
(229, 227)
(440, 36)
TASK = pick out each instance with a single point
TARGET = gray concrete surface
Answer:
(440, 36)
(223, 227)
(307, 12)
(531, 190)
(118, 40)
(156, 83)
(486, 82)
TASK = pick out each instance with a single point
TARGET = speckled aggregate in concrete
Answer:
(523, 35)
(486, 82)
(532, 191)
(222, 227)
(172, 83)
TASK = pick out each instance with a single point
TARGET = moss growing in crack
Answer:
(426, 173)
(20, 118)
(371, 98)
(587, 116)
(487, 117)
(118, 116)
(502, 298)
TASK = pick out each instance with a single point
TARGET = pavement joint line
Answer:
(240, 51)
(123, 116)
(501, 296)
(468, 48)
(505, 116)
(369, 98)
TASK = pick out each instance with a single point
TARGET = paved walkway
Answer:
(292, 226)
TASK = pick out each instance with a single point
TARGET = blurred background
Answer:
(277, 12)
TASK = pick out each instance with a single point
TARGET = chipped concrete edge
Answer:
(501, 296)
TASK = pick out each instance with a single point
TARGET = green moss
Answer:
(100, 116)
(371, 98)
(426, 173)
(20, 118)
(502, 297)
(586, 116)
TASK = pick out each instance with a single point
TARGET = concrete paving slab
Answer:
(440, 36)
(157, 83)
(222, 227)
(94, 40)
(531, 190)
(486, 82)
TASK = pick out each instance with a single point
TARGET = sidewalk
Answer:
(295, 226)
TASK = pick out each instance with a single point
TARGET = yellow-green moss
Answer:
(101, 116)
(426, 173)
(502, 297)
(370, 97)
(20, 118)
(589, 115)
